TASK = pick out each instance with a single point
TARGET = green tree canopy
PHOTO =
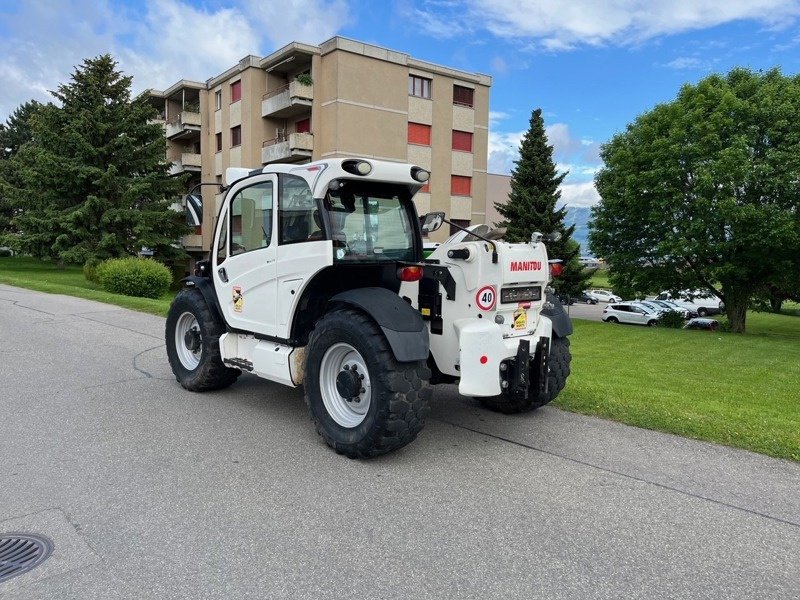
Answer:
(703, 192)
(15, 132)
(93, 182)
(532, 204)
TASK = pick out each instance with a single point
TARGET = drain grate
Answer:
(21, 552)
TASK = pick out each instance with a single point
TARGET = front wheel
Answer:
(362, 400)
(192, 338)
(702, 312)
(557, 373)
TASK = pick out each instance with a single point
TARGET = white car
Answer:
(605, 296)
(630, 312)
(703, 302)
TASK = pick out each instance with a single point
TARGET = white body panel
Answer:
(470, 330)
(270, 360)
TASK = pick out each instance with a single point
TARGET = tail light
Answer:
(409, 273)
(556, 268)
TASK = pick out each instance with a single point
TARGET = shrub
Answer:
(143, 277)
(90, 269)
(671, 319)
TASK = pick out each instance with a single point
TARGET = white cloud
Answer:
(556, 25)
(158, 43)
(579, 194)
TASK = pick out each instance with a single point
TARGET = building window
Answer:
(236, 136)
(460, 185)
(462, 140)
(217, 99)
(462, 222)
(236, 91)
(219, 141)
(419, 134)
(419, 86)
(303, 126)
(463, 96)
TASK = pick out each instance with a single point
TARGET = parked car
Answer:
(586, 297)
(704, 302)
(630, 312)
(669, 305)
(650, 306)
(605, 296)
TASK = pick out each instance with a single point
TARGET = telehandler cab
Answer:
(316, 277)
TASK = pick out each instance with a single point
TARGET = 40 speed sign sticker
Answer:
(486, 297)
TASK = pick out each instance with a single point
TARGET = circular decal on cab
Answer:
(486, 297)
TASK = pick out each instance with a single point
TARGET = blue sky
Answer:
(592, 66)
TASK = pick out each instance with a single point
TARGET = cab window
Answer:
(299, 217)
(251, 218)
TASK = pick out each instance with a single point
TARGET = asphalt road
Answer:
(149, 491)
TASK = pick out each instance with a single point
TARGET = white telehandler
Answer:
(317, 278)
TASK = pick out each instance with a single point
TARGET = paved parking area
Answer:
(149, 491)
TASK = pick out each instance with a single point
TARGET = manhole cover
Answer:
(21, 552)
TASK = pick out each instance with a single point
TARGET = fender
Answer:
(562, 324)
(206, 287)
(401, 324)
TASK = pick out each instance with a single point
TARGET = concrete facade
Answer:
(341, 98)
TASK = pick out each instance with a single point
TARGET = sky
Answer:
(592, 66)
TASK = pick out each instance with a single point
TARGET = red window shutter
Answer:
(419, 134)
(460, 185)
(303, 126)
(236, 91)
(462, 140)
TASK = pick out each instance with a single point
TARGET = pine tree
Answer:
(532, 203)
(15, 132)
(94, 182)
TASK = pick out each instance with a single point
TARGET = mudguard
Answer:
(401, 324)
(206, 287)
(562, 324)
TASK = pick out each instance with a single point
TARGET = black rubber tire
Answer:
(558, 371)
(210, 373)
(652, 323)
(702, 312)
(613, 320)
(400, 392)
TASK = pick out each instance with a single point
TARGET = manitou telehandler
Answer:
(316, 277)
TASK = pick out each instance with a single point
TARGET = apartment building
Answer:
(341, 98)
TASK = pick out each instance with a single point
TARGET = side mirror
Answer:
(433, 221)
(555, 236)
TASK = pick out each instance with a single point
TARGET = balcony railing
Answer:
(289, 100)
(185, 124)
(292, 148)
(188, 161)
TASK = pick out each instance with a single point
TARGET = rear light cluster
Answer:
(409, 273)
(556, 268)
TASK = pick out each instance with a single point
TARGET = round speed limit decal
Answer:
(486, 297)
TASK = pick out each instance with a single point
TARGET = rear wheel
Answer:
(192, 337)
(612, 320)
(702, 311)
(557, 373)
(362, 400)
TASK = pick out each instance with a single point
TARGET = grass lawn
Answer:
(44, 276)
(740, 390)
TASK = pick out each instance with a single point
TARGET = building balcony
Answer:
(187, 162)
(185, 125)
(192, 242)
(293, 148)
(287, 101)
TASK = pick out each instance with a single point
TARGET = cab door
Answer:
(244, 267)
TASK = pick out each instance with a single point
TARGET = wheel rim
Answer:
(188, 341)
(339, 364)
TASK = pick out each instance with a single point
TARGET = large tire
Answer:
(192, 336)
(374, 408)
(558, 371)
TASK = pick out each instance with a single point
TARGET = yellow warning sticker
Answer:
(426, 312)
(520, 318)
(238, 298)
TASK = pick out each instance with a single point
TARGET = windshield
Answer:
(370, 223)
